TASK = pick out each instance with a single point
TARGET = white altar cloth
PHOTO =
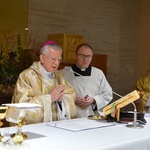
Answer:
(118, 137)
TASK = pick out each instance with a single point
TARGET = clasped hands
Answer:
(84, 101)
(58, 92)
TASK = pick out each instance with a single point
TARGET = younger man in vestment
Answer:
(93, 91)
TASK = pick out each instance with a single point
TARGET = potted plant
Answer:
(13, 60)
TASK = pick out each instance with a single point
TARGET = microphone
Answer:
(68, 69)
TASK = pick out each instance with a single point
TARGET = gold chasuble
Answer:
(32, 87)
(143, 85)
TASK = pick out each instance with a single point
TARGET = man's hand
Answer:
(57, 92)
(84, 101)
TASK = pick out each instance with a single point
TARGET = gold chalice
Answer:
(16, 113)
(19, 136)
(16, 116)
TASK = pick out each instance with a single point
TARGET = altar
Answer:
(111, 137)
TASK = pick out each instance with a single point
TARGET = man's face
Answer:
(84, 57)
(51, 60)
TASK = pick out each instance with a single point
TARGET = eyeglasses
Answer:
(85, 56)
(53, 59)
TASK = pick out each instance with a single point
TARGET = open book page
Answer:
(80, 124)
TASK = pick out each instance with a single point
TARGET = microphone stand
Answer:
(134, 124)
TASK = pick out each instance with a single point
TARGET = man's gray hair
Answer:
(45, 48)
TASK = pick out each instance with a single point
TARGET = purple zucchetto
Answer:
(48, 42)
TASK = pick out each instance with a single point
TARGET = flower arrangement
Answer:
(13, 60)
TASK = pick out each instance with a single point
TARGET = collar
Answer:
(45, 73)
(83, 72)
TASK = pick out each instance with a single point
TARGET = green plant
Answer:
(13, 60)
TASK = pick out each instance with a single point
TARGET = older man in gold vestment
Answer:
(143, 85)
(43, 84)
